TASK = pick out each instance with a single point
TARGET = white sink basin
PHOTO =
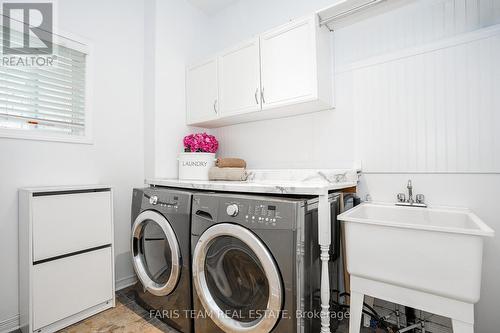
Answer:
(434, 250)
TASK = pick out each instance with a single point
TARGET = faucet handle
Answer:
(401, 197)
(420, 198)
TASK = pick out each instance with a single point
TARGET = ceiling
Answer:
(211, 6)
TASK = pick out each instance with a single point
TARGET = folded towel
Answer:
(231, 163)
(236, 174)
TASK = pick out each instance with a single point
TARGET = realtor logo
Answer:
(34, 21)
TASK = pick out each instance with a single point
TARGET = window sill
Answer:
(23, 135)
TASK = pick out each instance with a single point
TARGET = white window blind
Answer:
(47, 99)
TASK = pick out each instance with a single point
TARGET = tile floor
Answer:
(126, 317)
(129, 317)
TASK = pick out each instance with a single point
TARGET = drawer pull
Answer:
(70, 254)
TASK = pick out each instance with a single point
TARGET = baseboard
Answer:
(125, 282)
(9, 324)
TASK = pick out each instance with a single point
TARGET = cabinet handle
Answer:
(256, 98)
(215, 106)
(262, 95)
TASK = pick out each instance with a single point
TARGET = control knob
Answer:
(153, 199)
(232, 210)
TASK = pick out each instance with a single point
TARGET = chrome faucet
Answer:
(410, 191)
(419, 198)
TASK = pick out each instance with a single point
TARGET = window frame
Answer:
(83, 45)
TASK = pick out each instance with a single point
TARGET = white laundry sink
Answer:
(434, 250)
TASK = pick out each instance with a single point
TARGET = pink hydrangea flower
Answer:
(200, 142)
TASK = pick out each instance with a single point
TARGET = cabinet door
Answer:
(201, 92)
(239, 79)
(67, 223)
(64, 287)
(288, 64)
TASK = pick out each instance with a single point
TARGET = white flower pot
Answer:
(195, 166)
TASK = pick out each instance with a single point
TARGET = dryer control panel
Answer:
(167, 201)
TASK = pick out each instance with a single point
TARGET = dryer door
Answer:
(156, 254)
(237, 279)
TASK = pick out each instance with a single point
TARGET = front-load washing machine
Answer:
(161, 254)
(256, 263)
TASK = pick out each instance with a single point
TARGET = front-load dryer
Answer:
(256, 263)
(161, 254)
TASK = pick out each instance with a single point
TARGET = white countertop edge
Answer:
(277, 187)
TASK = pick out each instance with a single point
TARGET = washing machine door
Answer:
(237, 279)
(156, 254)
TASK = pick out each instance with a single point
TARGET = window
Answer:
(44, 96)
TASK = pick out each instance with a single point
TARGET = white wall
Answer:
(115, 158)
(430, 116)
(180, 35)
(149, 87)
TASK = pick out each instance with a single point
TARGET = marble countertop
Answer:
(297, 181)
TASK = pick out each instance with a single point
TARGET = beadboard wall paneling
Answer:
(434, 111)
(420, 22)
(423, 79)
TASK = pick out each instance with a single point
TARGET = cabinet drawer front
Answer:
(69, 223)
(64, 287)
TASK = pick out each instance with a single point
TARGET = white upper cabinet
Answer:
(239, 79)
(201, 92)
(288, 63)
(282, 72)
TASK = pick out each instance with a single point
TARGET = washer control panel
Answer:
(260, 214)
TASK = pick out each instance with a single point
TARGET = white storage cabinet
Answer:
(66, 260)
(283, 72)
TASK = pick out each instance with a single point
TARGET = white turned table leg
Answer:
(366, 318)
(356, 311)
(324, 242)
(325, 290)
(461, 327)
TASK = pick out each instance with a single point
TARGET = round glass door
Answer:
(237, 280)
(155, 253)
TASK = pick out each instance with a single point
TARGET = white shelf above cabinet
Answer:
(283, 72)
